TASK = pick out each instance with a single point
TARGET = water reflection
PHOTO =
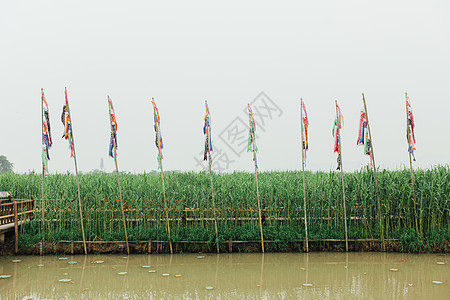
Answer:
(289, 276)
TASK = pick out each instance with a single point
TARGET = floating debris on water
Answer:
(65, 274)
(65, 280)
(16, 260)
(209, 288)
(436, 282)
(307, 284)
(165, 274)
(201, 256)
(146, 266)
(122, 273)
(303, 269)
(178, 275)
(85, 289)
(62, 258)
(410, 284)
(4, 276)
(125, 257)
(393, 270)
(440, 263)
(71, 262)
(98, 262)
(40, 265)
(152, 271)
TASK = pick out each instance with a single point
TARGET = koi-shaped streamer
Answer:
(410, 129)
(305, 122)
(251, 134)
(158, 139)
(113, 140)
(338, 124)
(65, 119)
(207, 133)
(363, 136)
(46, 134)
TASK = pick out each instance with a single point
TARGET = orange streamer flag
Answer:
(65, 119)
(46, 134)
(305, 121)
(410, 130)
(113, 140)
(338, 124)
(158, 140)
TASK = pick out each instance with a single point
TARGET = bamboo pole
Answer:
(303, 173)
(374, 174)
(76, 173)
(342, 174)
(158, 138)
(211, 177)
(410, 162)
(118, 178)
(16, 228)
(43, 170)
(257, 188)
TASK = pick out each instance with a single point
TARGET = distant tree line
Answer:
(5, 165)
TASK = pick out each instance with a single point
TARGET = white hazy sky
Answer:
(185, 52)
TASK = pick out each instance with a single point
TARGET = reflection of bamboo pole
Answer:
(374, 173)
(261, 279)
(342, 172)
(76, 172)
(307, 267)
(211, 177)
(43, 171)
(158, 139)
(257, 189)
(410, 162)
(82, 273)
(303, 146)
(117, 172)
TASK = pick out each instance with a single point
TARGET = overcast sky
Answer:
(185, 52)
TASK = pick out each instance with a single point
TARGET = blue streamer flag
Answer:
(207, 133)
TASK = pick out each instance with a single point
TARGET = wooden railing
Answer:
(17, 207)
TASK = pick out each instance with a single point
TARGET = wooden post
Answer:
(114, 130)
(410, 163)
(342, 172)
(230, 245)
(16, 227)
(208, 141)
(256, 176)
(158, 138)
(149, 248)
(374, 174)
(303, 146)
(43, 171)
(76, 173)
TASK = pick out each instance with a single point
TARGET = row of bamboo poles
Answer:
(66, 118)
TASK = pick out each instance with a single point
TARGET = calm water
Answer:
(231, 276)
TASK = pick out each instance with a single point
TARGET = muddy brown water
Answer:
(228, 276)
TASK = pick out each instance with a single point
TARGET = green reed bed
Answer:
(419, 223)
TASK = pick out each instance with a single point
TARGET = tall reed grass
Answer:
(190, 205)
